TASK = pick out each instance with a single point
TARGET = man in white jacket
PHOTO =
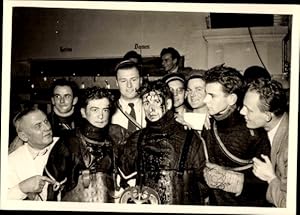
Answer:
(129, 113)
(26, 164)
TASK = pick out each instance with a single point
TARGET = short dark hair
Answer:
(170, 50)
(64, 82)
(271, 95)
(254, 72)
(230, 78)
(133, 54)
(94, 93)
(126, 64)
(157, 85)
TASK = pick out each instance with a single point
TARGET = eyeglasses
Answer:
(177, 91)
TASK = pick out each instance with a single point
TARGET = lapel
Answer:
(278, 140)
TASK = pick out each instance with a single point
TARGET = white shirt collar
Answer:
(124, 103)
(273, 131)
(40, 152)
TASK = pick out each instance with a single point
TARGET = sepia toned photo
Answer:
(149, 107)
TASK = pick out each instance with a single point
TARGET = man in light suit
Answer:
(128, 80)
(264, 106)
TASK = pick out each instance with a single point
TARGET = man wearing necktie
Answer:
(129, 113)
(26, 164)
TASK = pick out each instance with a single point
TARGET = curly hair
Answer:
(94, 93)
(271, 94)
(231, 79)
(158, 86)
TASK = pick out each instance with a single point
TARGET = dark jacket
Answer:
(88, 159)
(244, 144)
(64, 125)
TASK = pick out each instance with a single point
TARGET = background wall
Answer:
(45, 33)
(39, 33)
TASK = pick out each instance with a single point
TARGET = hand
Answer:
(16, 143)
(34, 184)
(218, 177)
(263, 170)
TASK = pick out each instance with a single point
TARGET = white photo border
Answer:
(293, 10)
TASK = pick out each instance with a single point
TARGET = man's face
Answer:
(168, 62)
(97, 112)
(36, 130)
(177, 89)
(129, 82)
(254, 117)
(196, 93)
(153, 105)
(216, 100)
(63, 99)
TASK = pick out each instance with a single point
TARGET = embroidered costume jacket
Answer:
(167, 159)
(88, 160)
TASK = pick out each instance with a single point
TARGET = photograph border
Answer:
(293, 10)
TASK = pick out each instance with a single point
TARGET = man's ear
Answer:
(169, 104)
(23, 136)
(52, 100)
(82, 111)
(232, 99)
(268, 116)
(141, 81)
(75, 100)
(117, 83)
(175, 61)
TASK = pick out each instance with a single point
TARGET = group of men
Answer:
(139, 148)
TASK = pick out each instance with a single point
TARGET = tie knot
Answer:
(131, 105)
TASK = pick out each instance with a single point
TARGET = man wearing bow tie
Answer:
(26, 164)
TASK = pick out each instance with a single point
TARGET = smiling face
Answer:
(168, 62)
(129, 82)
(177, 89)
(255, 118)
(97, 112)
(35, 129)
(154, 106)
(63, 99)
(196, 93)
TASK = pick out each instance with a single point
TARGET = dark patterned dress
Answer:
(167, 159)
